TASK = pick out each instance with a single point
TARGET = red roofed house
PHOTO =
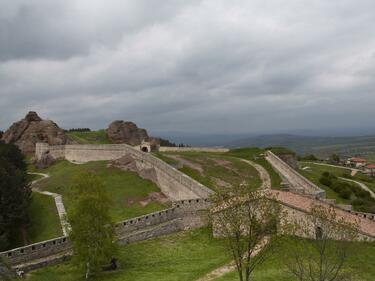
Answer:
(356, 162)
(370, 169)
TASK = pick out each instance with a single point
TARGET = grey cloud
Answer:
(233, 66)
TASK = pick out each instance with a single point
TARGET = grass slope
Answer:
(92, 137)
(185, 256)
(361, 262)
(316, 171)
(253, 154)
(125, 189)
(44, 222)
(216, 168)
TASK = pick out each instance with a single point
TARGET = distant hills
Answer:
(321, 146)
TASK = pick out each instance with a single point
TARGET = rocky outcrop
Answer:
(32, 129)
(45, 161)
(126, 132)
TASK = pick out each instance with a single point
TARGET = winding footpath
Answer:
(263, 174)
(58, 201)
(353, 171)
(362, 185)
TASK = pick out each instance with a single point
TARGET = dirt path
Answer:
(58, 202)
(264, 175)
(219, 272)
(353, 171)
(363, 186)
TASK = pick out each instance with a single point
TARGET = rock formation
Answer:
(126, 132)
(45, 161)
(32, 129)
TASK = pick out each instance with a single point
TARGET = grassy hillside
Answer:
(126, 189)
(361, 262)
(190, 255)
(44, 222)
(216, 171)
(253, 154)
(185, 256)
(315, 173)
(93, 137)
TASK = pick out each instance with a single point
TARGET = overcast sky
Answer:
(212, 66)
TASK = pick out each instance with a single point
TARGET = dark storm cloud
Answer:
(189, 65)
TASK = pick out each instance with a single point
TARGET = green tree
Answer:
(334, 158)
(92, 234)
(15, 192)
(247, 221)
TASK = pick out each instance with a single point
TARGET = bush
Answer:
(325, 181)
(345, 192)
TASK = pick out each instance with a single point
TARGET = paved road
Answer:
(363, 186)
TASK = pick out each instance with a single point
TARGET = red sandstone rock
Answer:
(32, 129)
(126, 132)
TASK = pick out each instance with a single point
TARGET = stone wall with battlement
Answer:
(173, 183)
(295, 179)
(36, 251)
(193, 149)
(185, 214)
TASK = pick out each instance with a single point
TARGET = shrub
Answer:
(325, 181)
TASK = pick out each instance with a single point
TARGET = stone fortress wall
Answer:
(183, 215)
(186, 213)
(295, 180)
(173, 183)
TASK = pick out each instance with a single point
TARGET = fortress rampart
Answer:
(295, 179)
(173, 183)
(185, 214)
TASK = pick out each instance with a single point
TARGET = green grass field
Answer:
(184, 256)
(93, 137)
(187, 256)
(44, 222)
(216, 171)
(126, 189)
(361, 261)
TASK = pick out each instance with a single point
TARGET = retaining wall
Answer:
(295, 179)
(173, 183)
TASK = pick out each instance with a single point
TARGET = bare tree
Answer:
(246, 220)
(322, 252)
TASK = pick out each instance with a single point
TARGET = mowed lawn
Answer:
(361, 261)
(185, 256)
(44, 222)
(216, 171)
(126, 189)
